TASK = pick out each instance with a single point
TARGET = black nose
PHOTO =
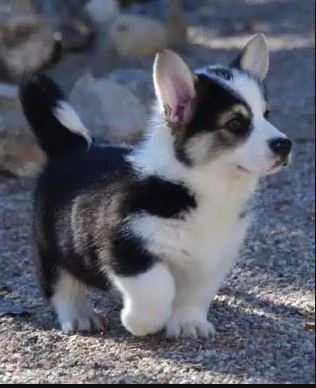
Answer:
(281, 146)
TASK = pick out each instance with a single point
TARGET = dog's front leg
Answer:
(195, 291)
(148, 299)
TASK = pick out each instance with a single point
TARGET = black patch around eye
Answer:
(213, 99)
(239, 125)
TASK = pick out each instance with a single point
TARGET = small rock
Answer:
(8, 309)
(18, 5)
(19, 154)
(75, 34)
(19, 158)
(7, 91)
(137, 36)
(101, 12)
(109, 110)
(310, 326)
(27, 43)
(176, 25)
(199, 358)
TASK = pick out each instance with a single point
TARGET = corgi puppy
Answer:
(162, 221)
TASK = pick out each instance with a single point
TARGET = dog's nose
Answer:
(281, 147)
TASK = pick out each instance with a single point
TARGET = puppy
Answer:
(162, 221)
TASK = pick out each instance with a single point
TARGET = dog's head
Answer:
(222, 113)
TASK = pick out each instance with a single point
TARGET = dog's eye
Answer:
(238, 125)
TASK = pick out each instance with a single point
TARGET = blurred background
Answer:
(101, 53)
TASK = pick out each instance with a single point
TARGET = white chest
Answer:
(209, 235)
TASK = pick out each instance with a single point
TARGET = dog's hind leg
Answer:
(72, 306)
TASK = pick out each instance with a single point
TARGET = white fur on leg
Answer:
(72, 307)
(148, 300)
(190, 320)
(195, 291)
(184, 328)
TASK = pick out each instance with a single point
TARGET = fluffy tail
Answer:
(56, 125)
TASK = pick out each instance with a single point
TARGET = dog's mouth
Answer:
(245, 170)
(279, 164)
(276, 165)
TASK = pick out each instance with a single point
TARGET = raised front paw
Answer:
(192, 329)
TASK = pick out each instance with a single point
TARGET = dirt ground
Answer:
(265, 311)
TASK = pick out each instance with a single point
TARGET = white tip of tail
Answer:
(69, 118)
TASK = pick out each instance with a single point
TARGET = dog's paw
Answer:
(141, 325)
(92, 323)
(190, 329)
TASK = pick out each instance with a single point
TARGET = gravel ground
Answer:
(265, 311)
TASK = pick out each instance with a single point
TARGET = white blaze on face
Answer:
(255, 154)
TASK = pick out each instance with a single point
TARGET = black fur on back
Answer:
(84, 197)
(70, 194)
(81, 203)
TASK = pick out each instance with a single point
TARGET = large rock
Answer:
(19, 154)
(137, 36)
(138, 81)
(10, 110)
(19, 157)
(27, 43)
(108, 109)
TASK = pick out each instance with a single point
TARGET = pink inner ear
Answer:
(183, 111)
(184, 99)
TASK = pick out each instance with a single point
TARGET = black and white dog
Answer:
(162, 222)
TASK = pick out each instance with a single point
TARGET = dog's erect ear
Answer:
(255, 58)
(174, 85)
